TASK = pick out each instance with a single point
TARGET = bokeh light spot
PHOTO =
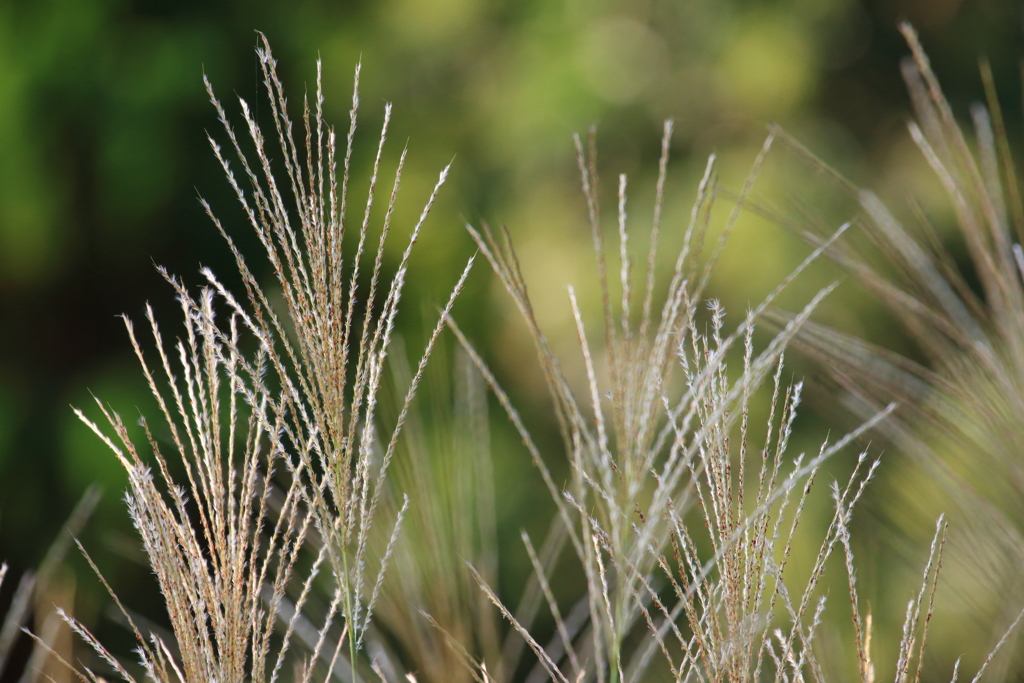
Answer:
(622, 59)
(768, 67)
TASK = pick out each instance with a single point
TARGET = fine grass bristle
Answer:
(960, 416)
(648, 449)
(301, 408)
(331, 375)
(429, 605)
(36, 591)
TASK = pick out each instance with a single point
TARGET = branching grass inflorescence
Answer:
(305, 400)
(960, 413)
(274, 410)
(646, 451)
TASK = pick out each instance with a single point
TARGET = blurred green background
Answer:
(103, 155)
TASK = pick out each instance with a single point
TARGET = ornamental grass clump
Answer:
(211, 572)
(653, 457)
(652, 449)
(330, 376)
(257, 398)
(275, 405)
(961, 411)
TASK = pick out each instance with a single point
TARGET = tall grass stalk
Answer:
(272, 413)
(961, 412)
(650, 447)
(329, 423)
(269, 390)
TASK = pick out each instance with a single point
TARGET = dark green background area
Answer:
(103, 156)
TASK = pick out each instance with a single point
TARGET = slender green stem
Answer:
(348, 615)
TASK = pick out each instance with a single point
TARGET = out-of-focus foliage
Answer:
(102, 154)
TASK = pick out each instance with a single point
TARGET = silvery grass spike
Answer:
(654, 445)
(961, 412)
(270, 393)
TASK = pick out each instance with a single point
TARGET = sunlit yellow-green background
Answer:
(103, 155)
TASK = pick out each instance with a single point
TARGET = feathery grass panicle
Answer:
(961, 416)
(670, 454)
(649, 448)
(292, 396)
(305, 400)
(212, 562)
(973, 342)
(330, 375)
